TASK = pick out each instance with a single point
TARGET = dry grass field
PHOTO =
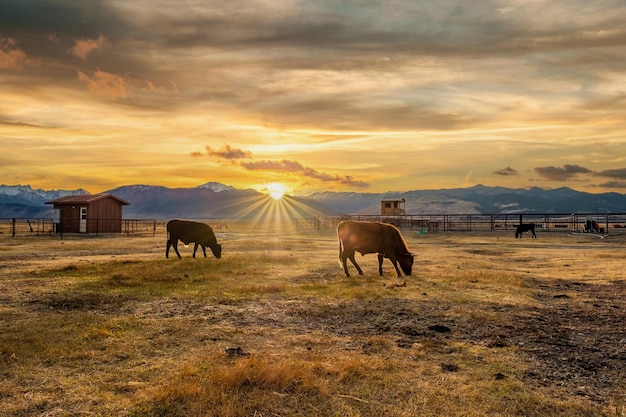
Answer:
(487, 326)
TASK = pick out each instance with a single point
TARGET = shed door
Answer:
(83, 220)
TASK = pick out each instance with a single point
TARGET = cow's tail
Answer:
(340, 252)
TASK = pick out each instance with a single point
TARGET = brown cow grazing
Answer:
(373, 237)
(199, 233)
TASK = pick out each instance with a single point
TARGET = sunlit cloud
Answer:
(11, 57)
(106, 84)
(102, 83)
(83, 47)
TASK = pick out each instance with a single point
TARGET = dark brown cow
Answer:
(200, 234)
(523, 228)
(373, 237)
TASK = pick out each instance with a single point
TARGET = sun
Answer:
(276, 190)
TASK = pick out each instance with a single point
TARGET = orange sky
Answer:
(324, 95)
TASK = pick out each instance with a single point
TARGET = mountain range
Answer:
(215, 200)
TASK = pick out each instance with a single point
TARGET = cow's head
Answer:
(217, 250)
(406, 263)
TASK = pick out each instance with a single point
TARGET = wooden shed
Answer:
(392, 207)
(88, 213)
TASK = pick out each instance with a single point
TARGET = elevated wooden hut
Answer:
(392, 207)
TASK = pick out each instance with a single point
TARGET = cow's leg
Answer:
(167, 248)
(175, 246)
(380, 264)
(395, 265)
(358, 268)
(195, 248)
(349, 254)
(203, 250)
(534, 235)
(343, 258)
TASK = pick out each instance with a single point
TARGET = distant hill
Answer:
(208, 201)
(479, 199)
(214, 200)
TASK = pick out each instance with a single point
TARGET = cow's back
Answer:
(369, 237)
(188, 231)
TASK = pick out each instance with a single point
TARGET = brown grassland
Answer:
(487, 326)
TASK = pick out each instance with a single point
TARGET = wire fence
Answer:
(601, 223)
(21, 227)
(14, 227)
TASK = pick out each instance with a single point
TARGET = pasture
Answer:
(487, 325)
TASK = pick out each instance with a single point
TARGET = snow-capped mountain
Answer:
(216, 186)
(28, 194)
(217, 200)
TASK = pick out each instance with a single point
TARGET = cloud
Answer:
(295, 167)
(508, 171)
(11, 57)
(614, 184)
(84, 47)
(618, 176)
(285, 166)
(567, 172)
(619, 173)
(103, 83)
(227, 152)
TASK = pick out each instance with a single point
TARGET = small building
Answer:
(88, 213)
(392, 207)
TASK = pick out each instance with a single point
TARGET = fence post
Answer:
(13, 228)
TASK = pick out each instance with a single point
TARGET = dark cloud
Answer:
(619, 173)
(506, 171)
(614, 184)
(43, 18)
(228, 152)
(285, 166)
(567, 172)
(295, 167)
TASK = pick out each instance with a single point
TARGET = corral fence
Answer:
(12, 227)
(15, 227)
(427, 223)
(423, 223)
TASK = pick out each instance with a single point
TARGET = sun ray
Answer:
(267, 212)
